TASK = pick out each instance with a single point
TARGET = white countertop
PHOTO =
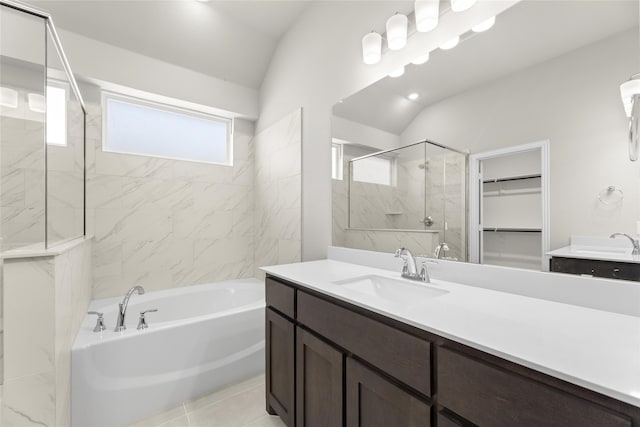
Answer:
(595, 349)
(598, 248)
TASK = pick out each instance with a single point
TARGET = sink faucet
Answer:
(634, 242)
(441, 249)
(410, 270)
(122, 307)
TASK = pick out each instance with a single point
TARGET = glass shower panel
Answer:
(22, 129)
(450, 197)
(65, 153)
(386, 190)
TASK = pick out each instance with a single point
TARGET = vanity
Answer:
(352, 344)
(597, 257)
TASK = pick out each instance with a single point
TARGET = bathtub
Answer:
(201, 339)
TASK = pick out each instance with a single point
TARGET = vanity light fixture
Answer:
(8, 97)
(371, 48)
(397, 72)
(421, 59)
(413, 96)
(461, 5)
(397, 31)
(426, 12)
(629, 90)
(450, 44)
(36, 102)
(484, 26)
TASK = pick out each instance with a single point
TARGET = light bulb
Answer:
(8, 97)
(371, 48)
(484, 25)
(397, 31)
(421, 59)
(37, 102)
(627, 90)
(461, 5)
(450, 44)
(427, 12)
(397, 72)
(413, 96)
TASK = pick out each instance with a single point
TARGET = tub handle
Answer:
(99, 322)
(142, 322)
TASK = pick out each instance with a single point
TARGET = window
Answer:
(336, 161)
(374, 170)
(56, 113)
(134, 126)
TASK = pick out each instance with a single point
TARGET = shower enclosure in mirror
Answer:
(412, 196)
(42, 135)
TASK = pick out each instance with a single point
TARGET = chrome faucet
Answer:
(410, 269)
(440, 250)
(122, 307)
(634, 242)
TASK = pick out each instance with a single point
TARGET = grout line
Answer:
(186, 414)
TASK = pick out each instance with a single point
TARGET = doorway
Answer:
(509, 206)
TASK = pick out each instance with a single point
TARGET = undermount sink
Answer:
(389, 289)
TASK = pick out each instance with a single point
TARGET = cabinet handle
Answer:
(616, 270)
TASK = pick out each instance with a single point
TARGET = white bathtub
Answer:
(202, 338)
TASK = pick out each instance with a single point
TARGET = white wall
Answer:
(100, 62)
(357, 133)
(318, 62)
(573, 101)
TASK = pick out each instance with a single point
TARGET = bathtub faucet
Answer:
(122, 307)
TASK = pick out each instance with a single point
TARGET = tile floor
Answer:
(240, 405)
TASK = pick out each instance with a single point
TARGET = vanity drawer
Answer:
(487, 395)
(596, 268)
(280, 296)
(403, 356)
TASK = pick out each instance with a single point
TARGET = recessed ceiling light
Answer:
(451, 43)
(421, 59)
(397, 73)
(484, 26)
(413, 96)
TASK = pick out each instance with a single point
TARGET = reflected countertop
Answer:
(598, 248)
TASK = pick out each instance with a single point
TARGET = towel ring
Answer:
(611, 195)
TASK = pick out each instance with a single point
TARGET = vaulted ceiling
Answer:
(230, 40)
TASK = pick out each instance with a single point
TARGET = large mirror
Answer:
(535, 102)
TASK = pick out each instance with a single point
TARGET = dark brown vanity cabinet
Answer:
(280, 365)
(319, 382)
(332, 364)
(596, 268)
(374, 401)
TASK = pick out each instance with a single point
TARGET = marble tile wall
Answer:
(22, 178)
(45, 299)
(278, 187)
(164, 223)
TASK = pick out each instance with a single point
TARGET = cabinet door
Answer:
(374, 401)
(280, 359)
(319, 369)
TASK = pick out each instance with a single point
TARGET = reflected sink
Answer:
(388, 289)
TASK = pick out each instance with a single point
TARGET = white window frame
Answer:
(59, 84)
(228, 121)
(339, 162)
(393, 175)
